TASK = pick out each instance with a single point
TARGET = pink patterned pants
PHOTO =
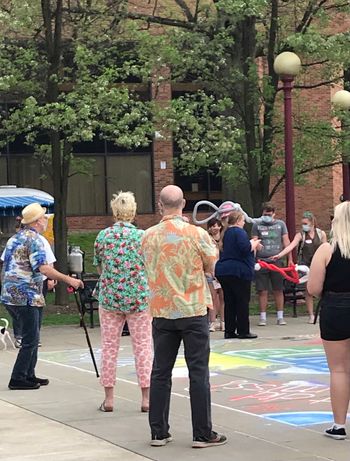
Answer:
(141, 338)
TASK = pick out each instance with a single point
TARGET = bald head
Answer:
(172, 199)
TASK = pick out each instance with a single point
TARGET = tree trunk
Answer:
(248, 41)
(52, 19)
(266, 158)
(60, 189)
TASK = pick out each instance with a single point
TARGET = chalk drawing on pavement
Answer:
(301, 418)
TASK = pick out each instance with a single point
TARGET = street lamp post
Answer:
(341, 100)
(287, 65)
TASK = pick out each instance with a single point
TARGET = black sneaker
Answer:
(161, 442)
(41, 381)
(15, 385)
(213, 441)
(337, 434)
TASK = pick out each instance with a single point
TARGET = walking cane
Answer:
(82, 323)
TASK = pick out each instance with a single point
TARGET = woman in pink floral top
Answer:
(122, 296)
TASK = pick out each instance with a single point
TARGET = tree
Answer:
(229, 47)
(67, 84)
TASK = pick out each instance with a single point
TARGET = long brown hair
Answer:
(232, 219)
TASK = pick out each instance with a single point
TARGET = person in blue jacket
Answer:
(235, 272)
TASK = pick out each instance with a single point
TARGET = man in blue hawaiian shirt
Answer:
(23, 269)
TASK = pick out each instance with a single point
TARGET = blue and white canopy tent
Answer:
(13, 199)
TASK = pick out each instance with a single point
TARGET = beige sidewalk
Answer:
(62, 422)
(27, 436)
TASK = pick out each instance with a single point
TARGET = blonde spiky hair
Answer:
(124, 206)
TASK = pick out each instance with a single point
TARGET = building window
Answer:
(86, 192)
(89, 194)
(131, 173)
(204, 185)
(25, 171)
(3, 169)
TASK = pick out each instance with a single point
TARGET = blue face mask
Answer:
(266, 219)
(306, 228)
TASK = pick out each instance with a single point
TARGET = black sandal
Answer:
(104, 408)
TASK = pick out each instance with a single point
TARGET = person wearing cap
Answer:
(24, 265)
(235, 272)
(224, 212)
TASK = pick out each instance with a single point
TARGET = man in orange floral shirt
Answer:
(177, 255)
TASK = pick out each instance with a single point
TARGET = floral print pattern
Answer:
(141, 339)
(122, 286)
(176, 255)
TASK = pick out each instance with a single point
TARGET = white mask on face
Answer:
(266, 219)
(306, 227)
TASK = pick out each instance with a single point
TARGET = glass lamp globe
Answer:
(287, 63)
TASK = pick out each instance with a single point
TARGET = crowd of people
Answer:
(171, 284)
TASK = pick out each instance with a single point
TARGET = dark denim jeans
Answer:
(27, 355)
(167, 337)
(16, 321)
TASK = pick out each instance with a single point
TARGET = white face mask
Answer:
(266, 219)
(306, 227)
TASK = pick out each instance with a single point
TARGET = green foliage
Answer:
(229, 53)
(94, 104)
(203, 133)
(240, 9)
(226, 48)
(66, 72)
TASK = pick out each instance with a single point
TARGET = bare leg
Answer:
(338, 357)
(221, 309)
(214, 296)
(310, 306)
(109, 397)
(279, 300)
(145, 399)
(263, 297)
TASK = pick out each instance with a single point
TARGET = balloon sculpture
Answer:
(290, 273)
(225, 207)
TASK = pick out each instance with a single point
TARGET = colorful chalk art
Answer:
(289, 384)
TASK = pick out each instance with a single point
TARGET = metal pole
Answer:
(289, 164)
(346, 181)
(82, 323)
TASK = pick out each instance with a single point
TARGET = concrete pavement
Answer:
(270, 396)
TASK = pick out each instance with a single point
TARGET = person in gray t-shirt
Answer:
(274, 237)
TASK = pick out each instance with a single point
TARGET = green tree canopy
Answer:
(228, 47)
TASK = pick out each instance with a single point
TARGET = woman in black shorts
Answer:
(330, 278)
